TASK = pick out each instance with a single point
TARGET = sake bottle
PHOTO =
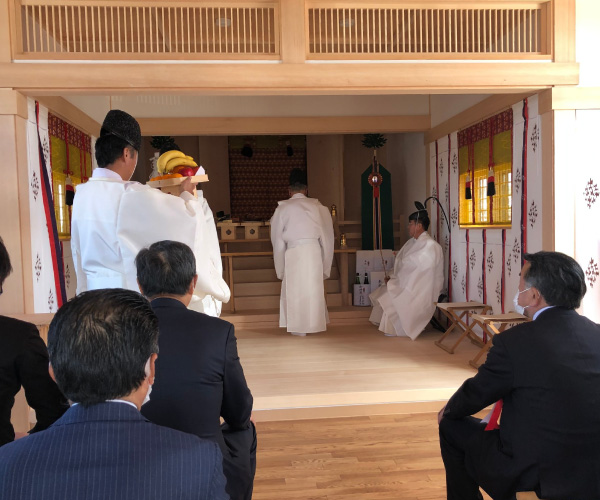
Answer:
(357, 280)
(366, 282)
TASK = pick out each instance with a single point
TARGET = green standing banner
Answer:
(376, 210)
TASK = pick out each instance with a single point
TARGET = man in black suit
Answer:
(24, 362)
(199, 377)
(547, 374)
(102, 347)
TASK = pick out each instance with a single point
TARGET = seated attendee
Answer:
(546, 374)
(102, 347)
(24, 362)
(404, 306)
(199, 377)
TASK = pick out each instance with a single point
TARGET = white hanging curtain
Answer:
(47, 263)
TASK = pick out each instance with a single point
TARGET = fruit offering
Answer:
(166, 176)
(176, 162)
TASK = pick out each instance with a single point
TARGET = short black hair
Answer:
(421, 217)
(99, 343)
(558, 277)
(165, 267)
(109, 148)
(5, 267)
(298, 180)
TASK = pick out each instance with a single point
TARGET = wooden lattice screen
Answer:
(149, 28)
(399, 32)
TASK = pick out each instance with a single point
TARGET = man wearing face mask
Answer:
(545, 375)
(103, 345)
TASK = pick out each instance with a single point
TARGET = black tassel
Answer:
(468, 187)
(491, 185)
(69, 192)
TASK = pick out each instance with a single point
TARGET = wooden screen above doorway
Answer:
(258, 182)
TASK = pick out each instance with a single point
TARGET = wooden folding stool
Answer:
(492, 324)
(456, 312)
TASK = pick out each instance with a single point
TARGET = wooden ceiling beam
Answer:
(287, 79)
(284, 125)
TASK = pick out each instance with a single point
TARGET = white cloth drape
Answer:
(44, 285)
(405, 305)
(113, 220)
(302, 302)
(302, 237)
(587, 209)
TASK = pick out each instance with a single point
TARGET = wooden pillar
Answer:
(14, 202)
(344, 277)
(293, 42)
(5, 31)
(563, 16)
(230, 272)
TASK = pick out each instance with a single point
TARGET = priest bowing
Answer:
(404, 306)
(302, 237)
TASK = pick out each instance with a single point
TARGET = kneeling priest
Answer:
(404, 306)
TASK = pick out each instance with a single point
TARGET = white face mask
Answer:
(147, 370)
(519, 309)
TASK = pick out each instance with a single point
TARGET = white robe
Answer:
(114, 219)
(302, 237)
(405, 305)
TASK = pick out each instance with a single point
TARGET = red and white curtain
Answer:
(49, 291)
(483, 264)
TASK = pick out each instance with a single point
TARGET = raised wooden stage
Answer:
(352, 369)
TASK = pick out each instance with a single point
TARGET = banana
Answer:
(189, 157)
(165, 157)
(175, 162)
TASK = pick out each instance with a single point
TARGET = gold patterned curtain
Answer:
(71, 156)
(484, 145)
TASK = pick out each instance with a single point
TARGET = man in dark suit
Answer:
(547, 374)
(199, 377)
(24, 362)
(102, 347)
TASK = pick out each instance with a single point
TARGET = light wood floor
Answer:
(355, 458)
(388, 391)
(347, 371)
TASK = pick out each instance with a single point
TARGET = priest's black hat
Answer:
(124, 126)
(298, 178)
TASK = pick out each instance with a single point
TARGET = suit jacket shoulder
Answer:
(111, 451)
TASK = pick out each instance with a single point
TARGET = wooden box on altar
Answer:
(228, 230)
(251, 230)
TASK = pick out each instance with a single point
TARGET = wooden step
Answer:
(265, 275)
(253, 263)
(274, 288)
(269, 318)
(272, 301)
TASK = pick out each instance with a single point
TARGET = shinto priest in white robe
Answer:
(404, 306)
(302, 237)
(114, 219)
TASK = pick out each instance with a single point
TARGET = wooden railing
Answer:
(150, 29)
(398, 32)
(245, 29)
